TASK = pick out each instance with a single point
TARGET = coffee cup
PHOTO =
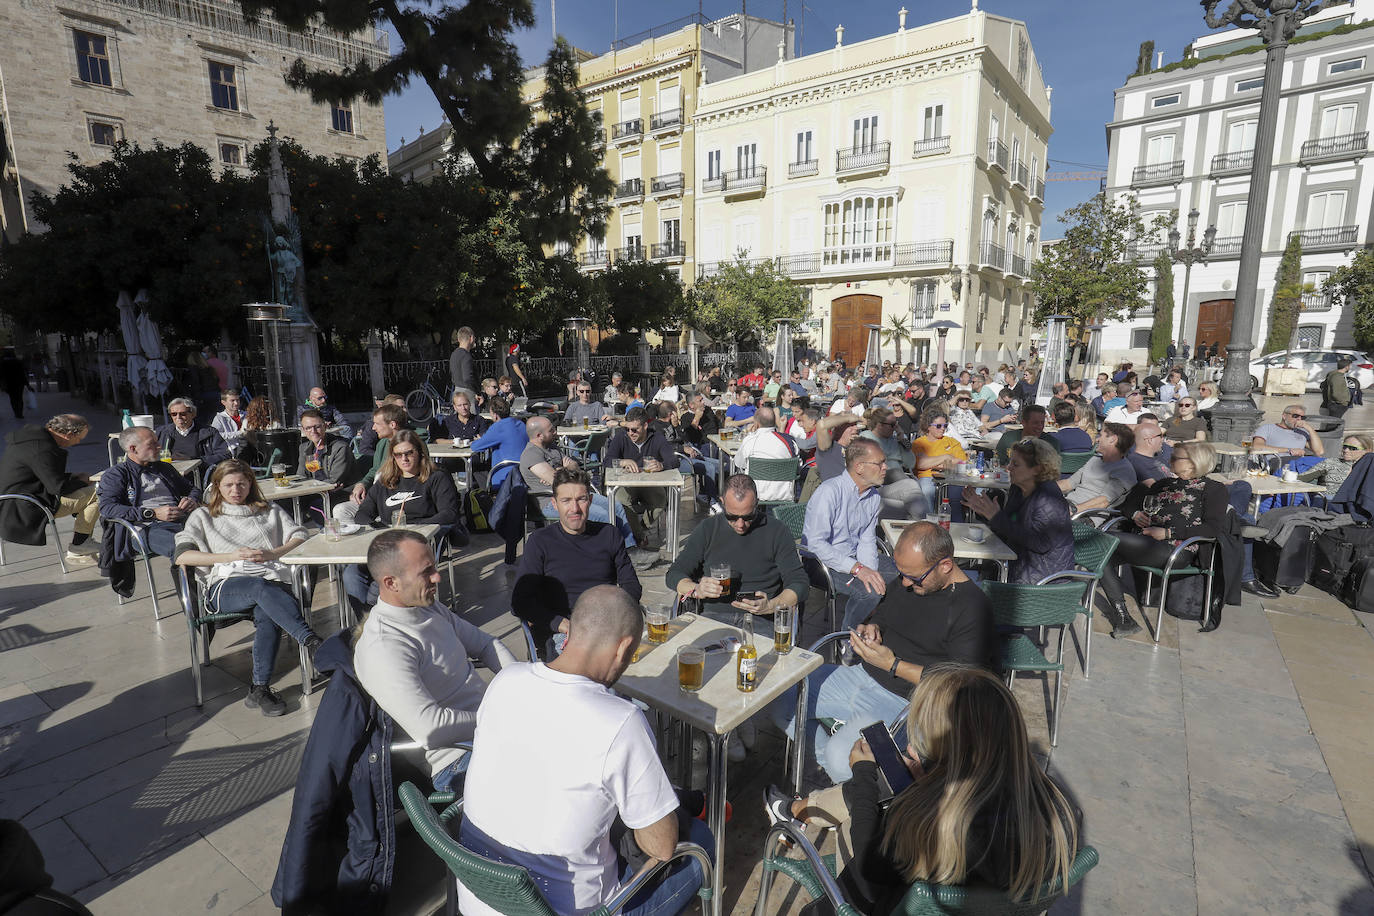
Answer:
(1290, 475)
(976, 534)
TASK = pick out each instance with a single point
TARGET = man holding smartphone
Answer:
(938, 615)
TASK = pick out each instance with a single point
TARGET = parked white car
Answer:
(1317, 363)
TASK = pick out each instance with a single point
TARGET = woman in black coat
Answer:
(1035, 520)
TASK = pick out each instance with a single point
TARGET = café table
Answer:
(183, 466)
(295, 488)
(990, 548)
(1269, 485)
(446, 449)
(945, 480)
(579, 431)
(719, 707)
(319, 550)
(728, 449)
(671, 479)
(1231, 453)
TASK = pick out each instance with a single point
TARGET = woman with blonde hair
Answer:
(979, 812)
(241, 538)
(1334, 470)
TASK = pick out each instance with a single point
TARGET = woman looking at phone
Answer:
(978, 810)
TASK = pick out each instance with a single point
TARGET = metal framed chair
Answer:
(588, 451)
(1072, 462)
(1097, 518)
(793, 515)
(199, 619)
(1092, 549)
(51, 522)
(1051, 605)
(776, 469)
(813, 872)
(146, 555)
(1177, 565)
(509, 889)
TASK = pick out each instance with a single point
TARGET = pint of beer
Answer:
(657, 619)
(691, 668)
(721, 573)
(782, 630)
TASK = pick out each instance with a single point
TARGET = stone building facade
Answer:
(80, 75)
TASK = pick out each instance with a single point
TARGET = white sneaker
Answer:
(88, 548)
(79, 559)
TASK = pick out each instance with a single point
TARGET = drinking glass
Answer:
(691, 668)
(657, 620)
(1150, 506)
(721, 573)
(332, 532)
(279, 474)
(782, 629)
(312, 464)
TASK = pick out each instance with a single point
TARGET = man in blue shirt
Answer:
(841, 530)
(506, 440)
(740, 413)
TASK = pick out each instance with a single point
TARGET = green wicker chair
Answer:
(1091, 551)
(509, 889)
(1052, 605)
(815, 875)
(793, 515)
(773, 469)
(588, 451)
(1072, 462)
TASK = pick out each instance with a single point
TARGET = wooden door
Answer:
(1214, 323)
(848, 334)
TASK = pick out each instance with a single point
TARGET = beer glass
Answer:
(279, 474)
(691, 668)
(783, 621)
(721, 573)
(657, 619)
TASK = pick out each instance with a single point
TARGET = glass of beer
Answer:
(279, 474)
(721, 573)
(691, 668)
(657, 619)
(783, 622)
(586, 422)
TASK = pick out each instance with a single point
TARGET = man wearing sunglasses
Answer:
(937, 615)
(1292, 432)
(584, 408)
(188, 439)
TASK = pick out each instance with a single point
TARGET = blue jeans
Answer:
(707, 471)
(839, 692)
(859, 601)
(274, 606)
(452, 776)
(674, 891)
(600, 512)
(160, 537)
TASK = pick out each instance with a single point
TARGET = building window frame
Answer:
(1348, 65)
(859, 228)
(1161, 101)
(100, 129)
(226, 88)
(94, 65)
(713, 159)
(341, 118)
(231, 151)
(1248, 84)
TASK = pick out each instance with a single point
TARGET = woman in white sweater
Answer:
(241, 537)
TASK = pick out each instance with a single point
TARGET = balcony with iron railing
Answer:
(594, 260)
(666, 121)
(629, 190)
(671, 183)
(990, 254)
(1228, 246)
(803, 168)
(1018, 265)
(752, 180)
(1331, 238)
(1020, 174)
(1329, 149)
(1143, 251)
(707, 269)
(1037, 188)
(666, 251)
(1237, 162)
(627, 131)
(863, 160)
(931, 146)
(630, 253)
(713, 183)
(1316, 301)
(1157, 173)
(997, 154)
(935, 254)
(923, 311)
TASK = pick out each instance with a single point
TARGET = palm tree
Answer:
(895, 332)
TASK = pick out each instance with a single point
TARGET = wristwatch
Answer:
(147, 514)
(895, 662)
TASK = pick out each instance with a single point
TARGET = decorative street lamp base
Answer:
(1232, 421)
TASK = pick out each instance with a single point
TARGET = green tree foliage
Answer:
(155, 219)
(566, 188)
(1287, 300)
(463, 53)
(1092, 274)
(637, 295)
(742, 298)
(895, 332)
(1352, 286)
(1163, 331)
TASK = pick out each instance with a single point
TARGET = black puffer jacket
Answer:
(35, 465)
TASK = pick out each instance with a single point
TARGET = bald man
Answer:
(767, 441)
(333, 418)
(559, 759)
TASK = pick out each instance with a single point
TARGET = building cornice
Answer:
(639, 74)
(1225, 104)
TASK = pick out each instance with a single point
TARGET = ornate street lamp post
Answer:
(1276, 21)
(1189, 256)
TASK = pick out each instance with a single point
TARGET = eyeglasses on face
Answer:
(939, 425)
(405, 453)
(180, 413)
(1345, 446)
(921, 579)
(741, 517)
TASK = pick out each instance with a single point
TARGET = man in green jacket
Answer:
(1336, 390)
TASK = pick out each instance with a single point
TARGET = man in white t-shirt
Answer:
(1128, 413)
(558, 758)
(768, 442)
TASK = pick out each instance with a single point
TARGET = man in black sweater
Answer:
(562, 561)
(766, 572)
(637, 447)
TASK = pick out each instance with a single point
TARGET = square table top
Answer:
(296, 486)
(719, 707)
(1230, 448)
(615, 477)
(318, 550)
(579, 430)
(449, 450)
(955, 480)
(992, 547)
(1269, 485)
(184, 466)
(728, 446)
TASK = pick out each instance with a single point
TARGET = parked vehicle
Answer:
(1317, 363)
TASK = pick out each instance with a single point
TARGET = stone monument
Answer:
(299, 335)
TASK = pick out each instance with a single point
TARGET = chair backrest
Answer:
(594, 444)
(508, 889)
(1050, 605)
(1091, 548)
(925, 899)
(773, 468)
(793, 515)
(1072, 462)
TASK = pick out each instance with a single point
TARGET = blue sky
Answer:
(1085, 49)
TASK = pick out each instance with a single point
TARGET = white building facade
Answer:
(899, 177)
(1182, 137)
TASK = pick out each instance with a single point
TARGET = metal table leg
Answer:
(799, 742)
(674, 515)
(715, 801)
(1005, 568)
(110, 446)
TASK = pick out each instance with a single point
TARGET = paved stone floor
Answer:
(1217, 773)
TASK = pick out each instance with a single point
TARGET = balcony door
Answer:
(848, 317)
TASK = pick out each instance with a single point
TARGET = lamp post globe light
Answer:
(1188, 256)
(1276, 21)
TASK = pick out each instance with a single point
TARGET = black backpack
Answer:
(1341, 565)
